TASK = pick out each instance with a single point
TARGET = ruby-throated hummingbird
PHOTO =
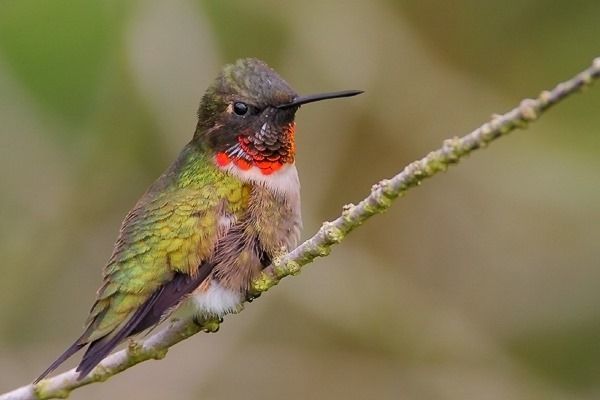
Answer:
(212, 221)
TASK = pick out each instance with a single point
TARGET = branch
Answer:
(331, 233)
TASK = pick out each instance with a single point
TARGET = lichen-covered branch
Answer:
(331, 233)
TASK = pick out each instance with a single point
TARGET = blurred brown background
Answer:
(482, 284)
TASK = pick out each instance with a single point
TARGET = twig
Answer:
(331, 233)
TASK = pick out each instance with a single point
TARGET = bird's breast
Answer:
(270, 224)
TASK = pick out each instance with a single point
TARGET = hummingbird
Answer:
(212, 221)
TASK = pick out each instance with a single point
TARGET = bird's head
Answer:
(247, 116)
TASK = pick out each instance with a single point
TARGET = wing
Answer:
(163, 252)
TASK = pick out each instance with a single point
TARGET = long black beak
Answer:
(298, 101)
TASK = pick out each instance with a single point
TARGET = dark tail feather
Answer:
(74, 348)
(95, 353)
(99, 349)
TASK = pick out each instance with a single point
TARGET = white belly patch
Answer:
(217, 301)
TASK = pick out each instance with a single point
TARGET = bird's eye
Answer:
(240, 108)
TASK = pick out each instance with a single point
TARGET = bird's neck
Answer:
(264, 167)
(267, 151)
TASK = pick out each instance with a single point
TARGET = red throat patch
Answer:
(266, 167)
(267, 160)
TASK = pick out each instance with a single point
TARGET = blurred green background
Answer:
(482, 284)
